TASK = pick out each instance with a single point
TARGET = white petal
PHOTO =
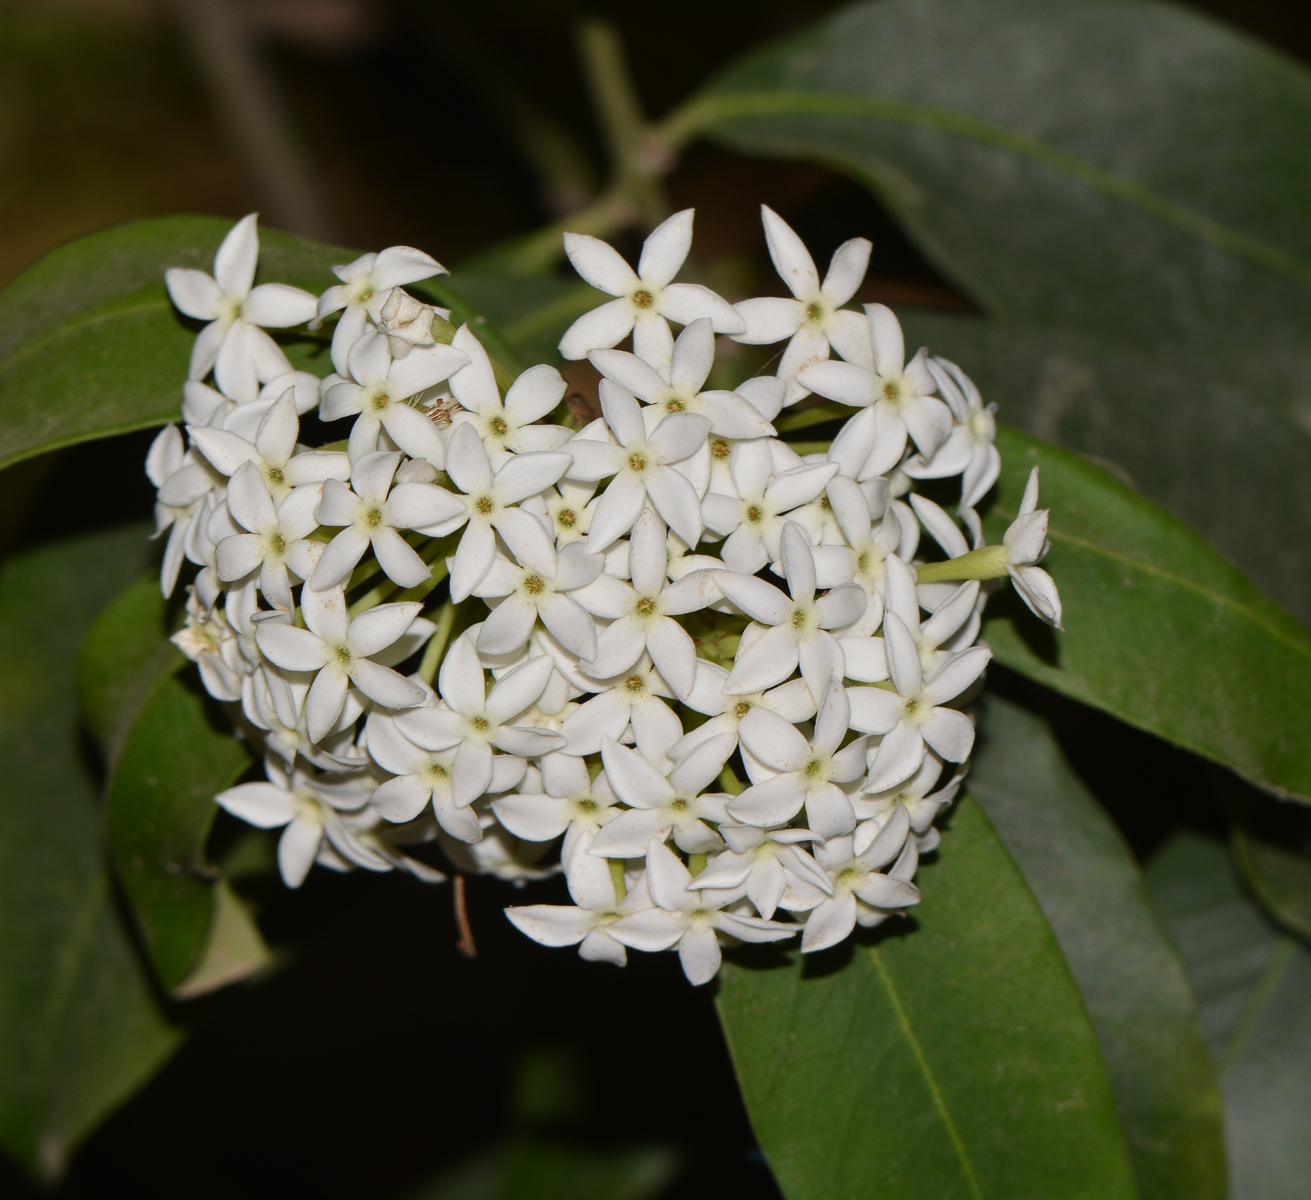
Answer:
(601, 328)
(769, 319)
(194, 292)
(599, 264)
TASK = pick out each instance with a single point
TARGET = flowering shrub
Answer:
(725, 760)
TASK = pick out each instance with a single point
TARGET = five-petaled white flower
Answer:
(814, 319)
(341, 650)
(572, 803)
(646, 299)
(768, 867)
(233, 343)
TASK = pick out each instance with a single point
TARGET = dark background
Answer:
(376, 1055)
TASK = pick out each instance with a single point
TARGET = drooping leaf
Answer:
(159, 808)
(90, 345)
(1161, 631)
(1123, 189)
(1278, 877)
(1253, 988)
(1135, 987)
(79, 1028)
(234, 948)
(123, 659)
(953, 1058)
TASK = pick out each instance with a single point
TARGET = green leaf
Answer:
(160, 806)
(1253, 988)
(530, 1168)
(1279, 878)
(951, 1058)
(1123, 189)
(1134, 986)
(79, 1028)
(1161, 631)
(90, 345)
(123, 659)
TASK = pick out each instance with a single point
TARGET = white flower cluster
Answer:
(606, 580)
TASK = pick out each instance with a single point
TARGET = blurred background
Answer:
(378, 1061)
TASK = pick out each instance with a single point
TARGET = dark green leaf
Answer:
(1162, 632)
(1253, 988)
(1123, 188)
(528, 1168)
(1279, 878)
(89, 343)
(953, 1058)
(79, 1029)
(1132, 981)
(176, 757)
(124, 658)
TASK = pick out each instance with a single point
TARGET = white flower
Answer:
(572, 804)
(815, 319)
(798, 635)
(633, 697)
(912, 716)
(366, 284)
(662, 802)
(424, 776)
(642, 615)
(791, 701)
(856, 880)
(276, 538)
(585, 924)
(474, 720)
(488, 505)
(641, 466)
(377, 391)
(341, 650)
(564, 510)
(916, 795)
(768, 867)
(646, 299)
(896, 396)
(370, 512)
(679, 389)
(688, 919)
(307, 805)
(233, 343)
(273, 450)
(538, 585)
(208, 641)
(508, 426)
(970, 450)
(753, 519)
(1026, 545)
(802, 773)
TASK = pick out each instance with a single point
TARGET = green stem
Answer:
(617, 875)
(614, 97)
(988, 562)
(729, 781)
(540, 251)
(696, 863)
(432, 656)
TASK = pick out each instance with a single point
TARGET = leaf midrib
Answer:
(917, 1052)
(700, 115)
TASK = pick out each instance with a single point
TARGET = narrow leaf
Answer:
(79, 1028)
(1253, 988)
(1135, 987)
(951, 1057)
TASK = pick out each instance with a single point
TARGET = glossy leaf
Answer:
(1134, 985)
(79, 1027)
(90, 345)
(123, 659)
(1161, 631)
(1278, 877)
(951, 1058)
(1122, 188)
(1253, 988)
(159, 808)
